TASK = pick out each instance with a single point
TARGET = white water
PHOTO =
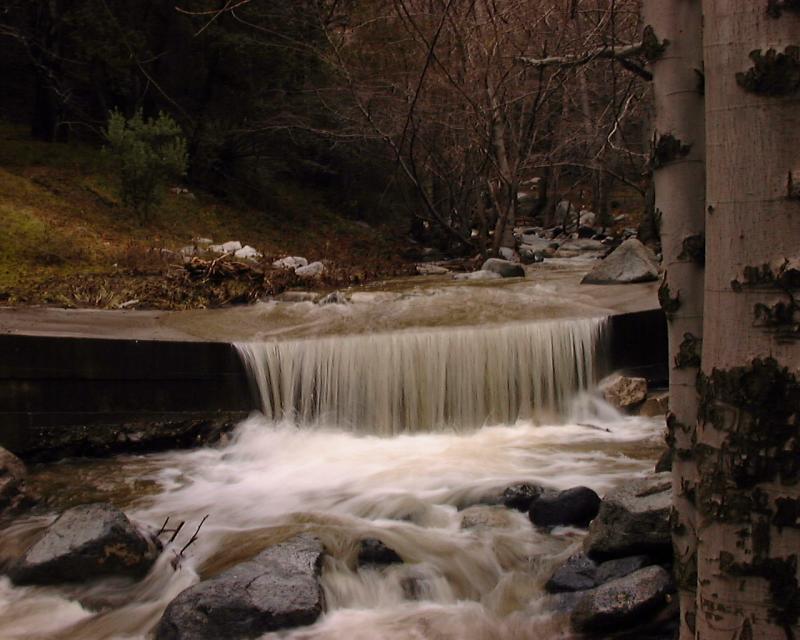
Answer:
(458, 378)
(274, 480)
(434, 391)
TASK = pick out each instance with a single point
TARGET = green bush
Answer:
(147, 154)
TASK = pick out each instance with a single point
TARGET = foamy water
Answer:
(274, 480)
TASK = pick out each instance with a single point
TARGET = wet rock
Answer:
(504, 268)
(623, 602)
(507, 253)
(478, 275)
(278, 589)
(587, 233)
(311, 270)
(87, 542)
(534, 242)
(575, 507)
(633, 519)
(624, 392)
(629, 262)
(12, 481)
(530, 255)
(656, 404)
(290, 262)
(578, 573)
(620, 567)
(664, 462)
(520, 495)
(335, 297)
(372, 551)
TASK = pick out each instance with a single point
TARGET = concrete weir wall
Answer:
(72, 396)
(86, 396)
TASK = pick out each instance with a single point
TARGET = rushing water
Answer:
(425, 380)
(470, 411)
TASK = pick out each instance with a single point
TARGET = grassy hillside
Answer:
(63, 228)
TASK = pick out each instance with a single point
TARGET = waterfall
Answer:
(424, 380)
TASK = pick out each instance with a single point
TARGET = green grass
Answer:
(60, 215)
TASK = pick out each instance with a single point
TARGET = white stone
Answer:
(312, 270)
(247, 253)
(290, 262)
(231, 246)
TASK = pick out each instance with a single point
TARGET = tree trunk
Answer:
(748, 432)
(679, 179)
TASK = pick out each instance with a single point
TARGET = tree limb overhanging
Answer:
(621, 53)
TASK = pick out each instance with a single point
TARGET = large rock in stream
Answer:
(504, 268)
(277, 589)
(573, 507)
(633, 519)
(623, 602)
(629, 262)
(87, 542)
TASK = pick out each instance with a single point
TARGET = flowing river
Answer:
(396, 435)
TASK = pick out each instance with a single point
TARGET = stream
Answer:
(396, 434)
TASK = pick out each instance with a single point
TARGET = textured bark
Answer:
(748, 439)
(679, 177)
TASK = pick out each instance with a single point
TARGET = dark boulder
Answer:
(87, 542)
(620, 567)
(12, 481)
(633, 519)
(664, 462)
(520, 495)
(623, 602)
(578, 573)
(372, 551)
(278, 589)
(576, 507)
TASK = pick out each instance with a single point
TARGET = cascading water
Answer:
(455, 379)
(470, 571)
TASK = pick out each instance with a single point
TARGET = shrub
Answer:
(146, 154)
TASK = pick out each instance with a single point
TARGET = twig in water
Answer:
(194, 535)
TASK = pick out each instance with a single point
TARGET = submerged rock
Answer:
(629, 262)
(87, 542)
(656, 404)
(12, 480)
(575, 507)
(623, 602)
(485, 517)
(504, 268)
(278, 589)
(372, 551)
(633, 519)
(478, 275)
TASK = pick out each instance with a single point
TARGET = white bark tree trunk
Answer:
(679, 177)
(748, 432)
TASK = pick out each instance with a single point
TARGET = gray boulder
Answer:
(620, 567)
(623, 602)
(87, 542)
(534, 242)
(633, 519)
(629, 262)
(504, 268)
(573, 507)
(624, 392)
(12, 480)
(278, 589)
